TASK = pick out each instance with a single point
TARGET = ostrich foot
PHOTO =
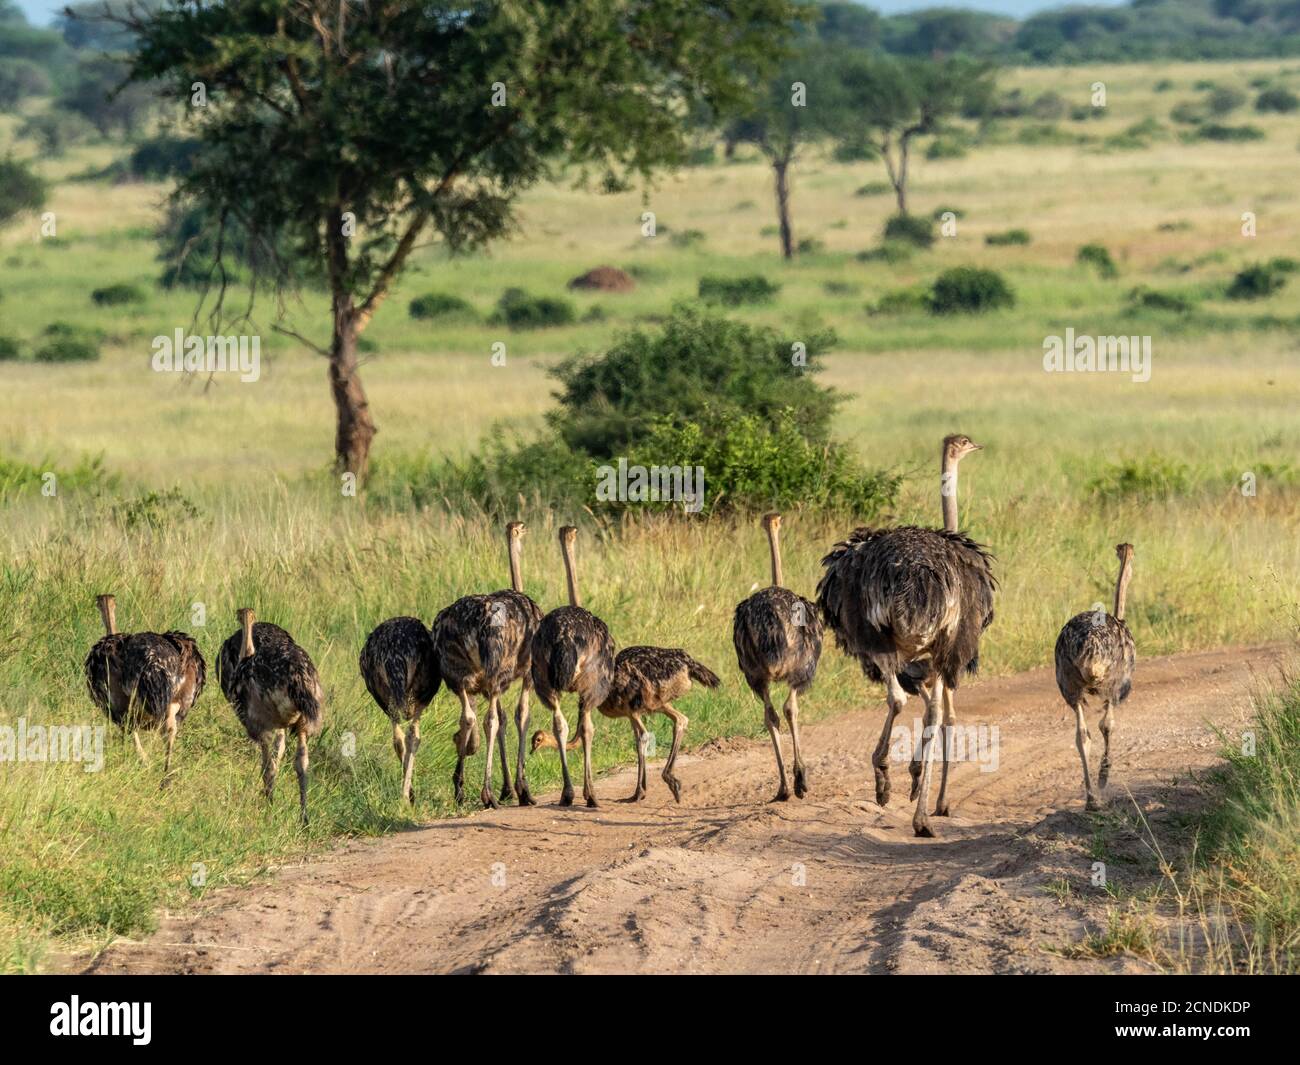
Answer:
(506, 793)
(675, 786)
(921, 828)
(591, 802)
(783, 795)
(915, 770)
(1103, 773)
(882, 787)
(525, 797)
(487, 799)
(942, 811)
(566, 797)
(800, 782)
(1092, 805)
(636, 796)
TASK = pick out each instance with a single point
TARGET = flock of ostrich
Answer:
(909, 604)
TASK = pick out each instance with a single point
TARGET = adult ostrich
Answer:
(264, 632)
(276, 689)
(910, 605)
(778, 638)
(163, 675)
(399, 664)
(1094, 657)
(573, 652)
(484, 645)
(104, 668)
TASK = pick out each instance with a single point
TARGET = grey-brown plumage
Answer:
(275, 689)
(911, 604)
(103, 665)
(484, 645)
(1095, 655)
(163, 675)
(228, 657)
(573, 652)
(646, 681)
(399, 664)
(778, 638)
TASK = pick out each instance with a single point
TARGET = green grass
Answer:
(170, 493)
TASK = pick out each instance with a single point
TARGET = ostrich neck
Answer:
(571, 575)
(1121, 589)
(948, 492)
(516, 577)
(774, 544)
(246, 649)
(110, 619)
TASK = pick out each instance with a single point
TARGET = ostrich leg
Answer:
(638, 737)
(792, 716)
(587, 731)
(1084, 743)
(300, 763)
(399, 744)
(492, 721)
(408, 757)
(774, 730)
(933, 708)
(915, 767)
(503, 727)
(1107, 723)
(466, 744)
(561, 729)
(680, 721)
(880, 759)
(949, 739)
(522, 795)
(169, 736)
(269, 765)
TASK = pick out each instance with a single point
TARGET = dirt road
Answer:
(727, 882)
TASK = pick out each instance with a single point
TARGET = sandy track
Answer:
(727, 882)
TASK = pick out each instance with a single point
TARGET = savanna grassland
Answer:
(173, 494)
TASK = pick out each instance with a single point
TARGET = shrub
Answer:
(687, 238)
(1256, 282)
(519, 310)
(1098, 257)
(697, 361)
(1151, 299)
(9, 348)
(854, 152)
(910, 228)
(1163, 85)
(734, 291)
(19, 79)
(811, 246)
(55, 131)
(1277, 101)
(1150, 478)
(841, 288)
(21, 191)
(1214, 132)
(155, 510)
(892, 252)
(160, 158)
(938, 213)
(949, 147)
(440, 305)
(874, 188)
(1009, 236)
(117, 295)
(970, 290)
(901, 301)
(81, 348)
(1222, 101)
(1050, 106)
(1187, 113)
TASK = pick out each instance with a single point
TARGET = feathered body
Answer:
(484, 642)
(399, 664)
(1095, 656)
(104, 676)
(228, 657)
(908, 602)
(572, 652)
(648, 678)
(277, 687)
(778, 638)
(161, 672)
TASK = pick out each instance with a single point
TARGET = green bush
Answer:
(441, 305)
(970, 290)
(1150, 299)
(21, 191)
(68, 349)
(1098, 257)
(9, 348)
(902, 301)
(1187, 113)
(1256, 282)
(910, 228)
(811, 246)
(164, 157)
(1277, 101)
(949, 147)
(687, 238)
(1150, 478)
(519, 310)
(1163, 85)
(117, 295)
(54, 131)
(1009, 236)
(854, 152)
(1214, 132)
(1222, 101)
(874, 188)
(155, 510)
(938, 213)
(892, 252)
(734, 291)
(697, 360)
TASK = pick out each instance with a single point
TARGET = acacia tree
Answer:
(351, 130)
(889, 102)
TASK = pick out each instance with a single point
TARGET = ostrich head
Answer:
(956, 446)
(515, 530)
(772, 521)
(108, 611)
(540, 740)
(246, 618)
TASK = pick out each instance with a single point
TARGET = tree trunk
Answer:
(355, 428)
(900, 186)
(780, 169)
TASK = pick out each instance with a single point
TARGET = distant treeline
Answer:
(1145, 29)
